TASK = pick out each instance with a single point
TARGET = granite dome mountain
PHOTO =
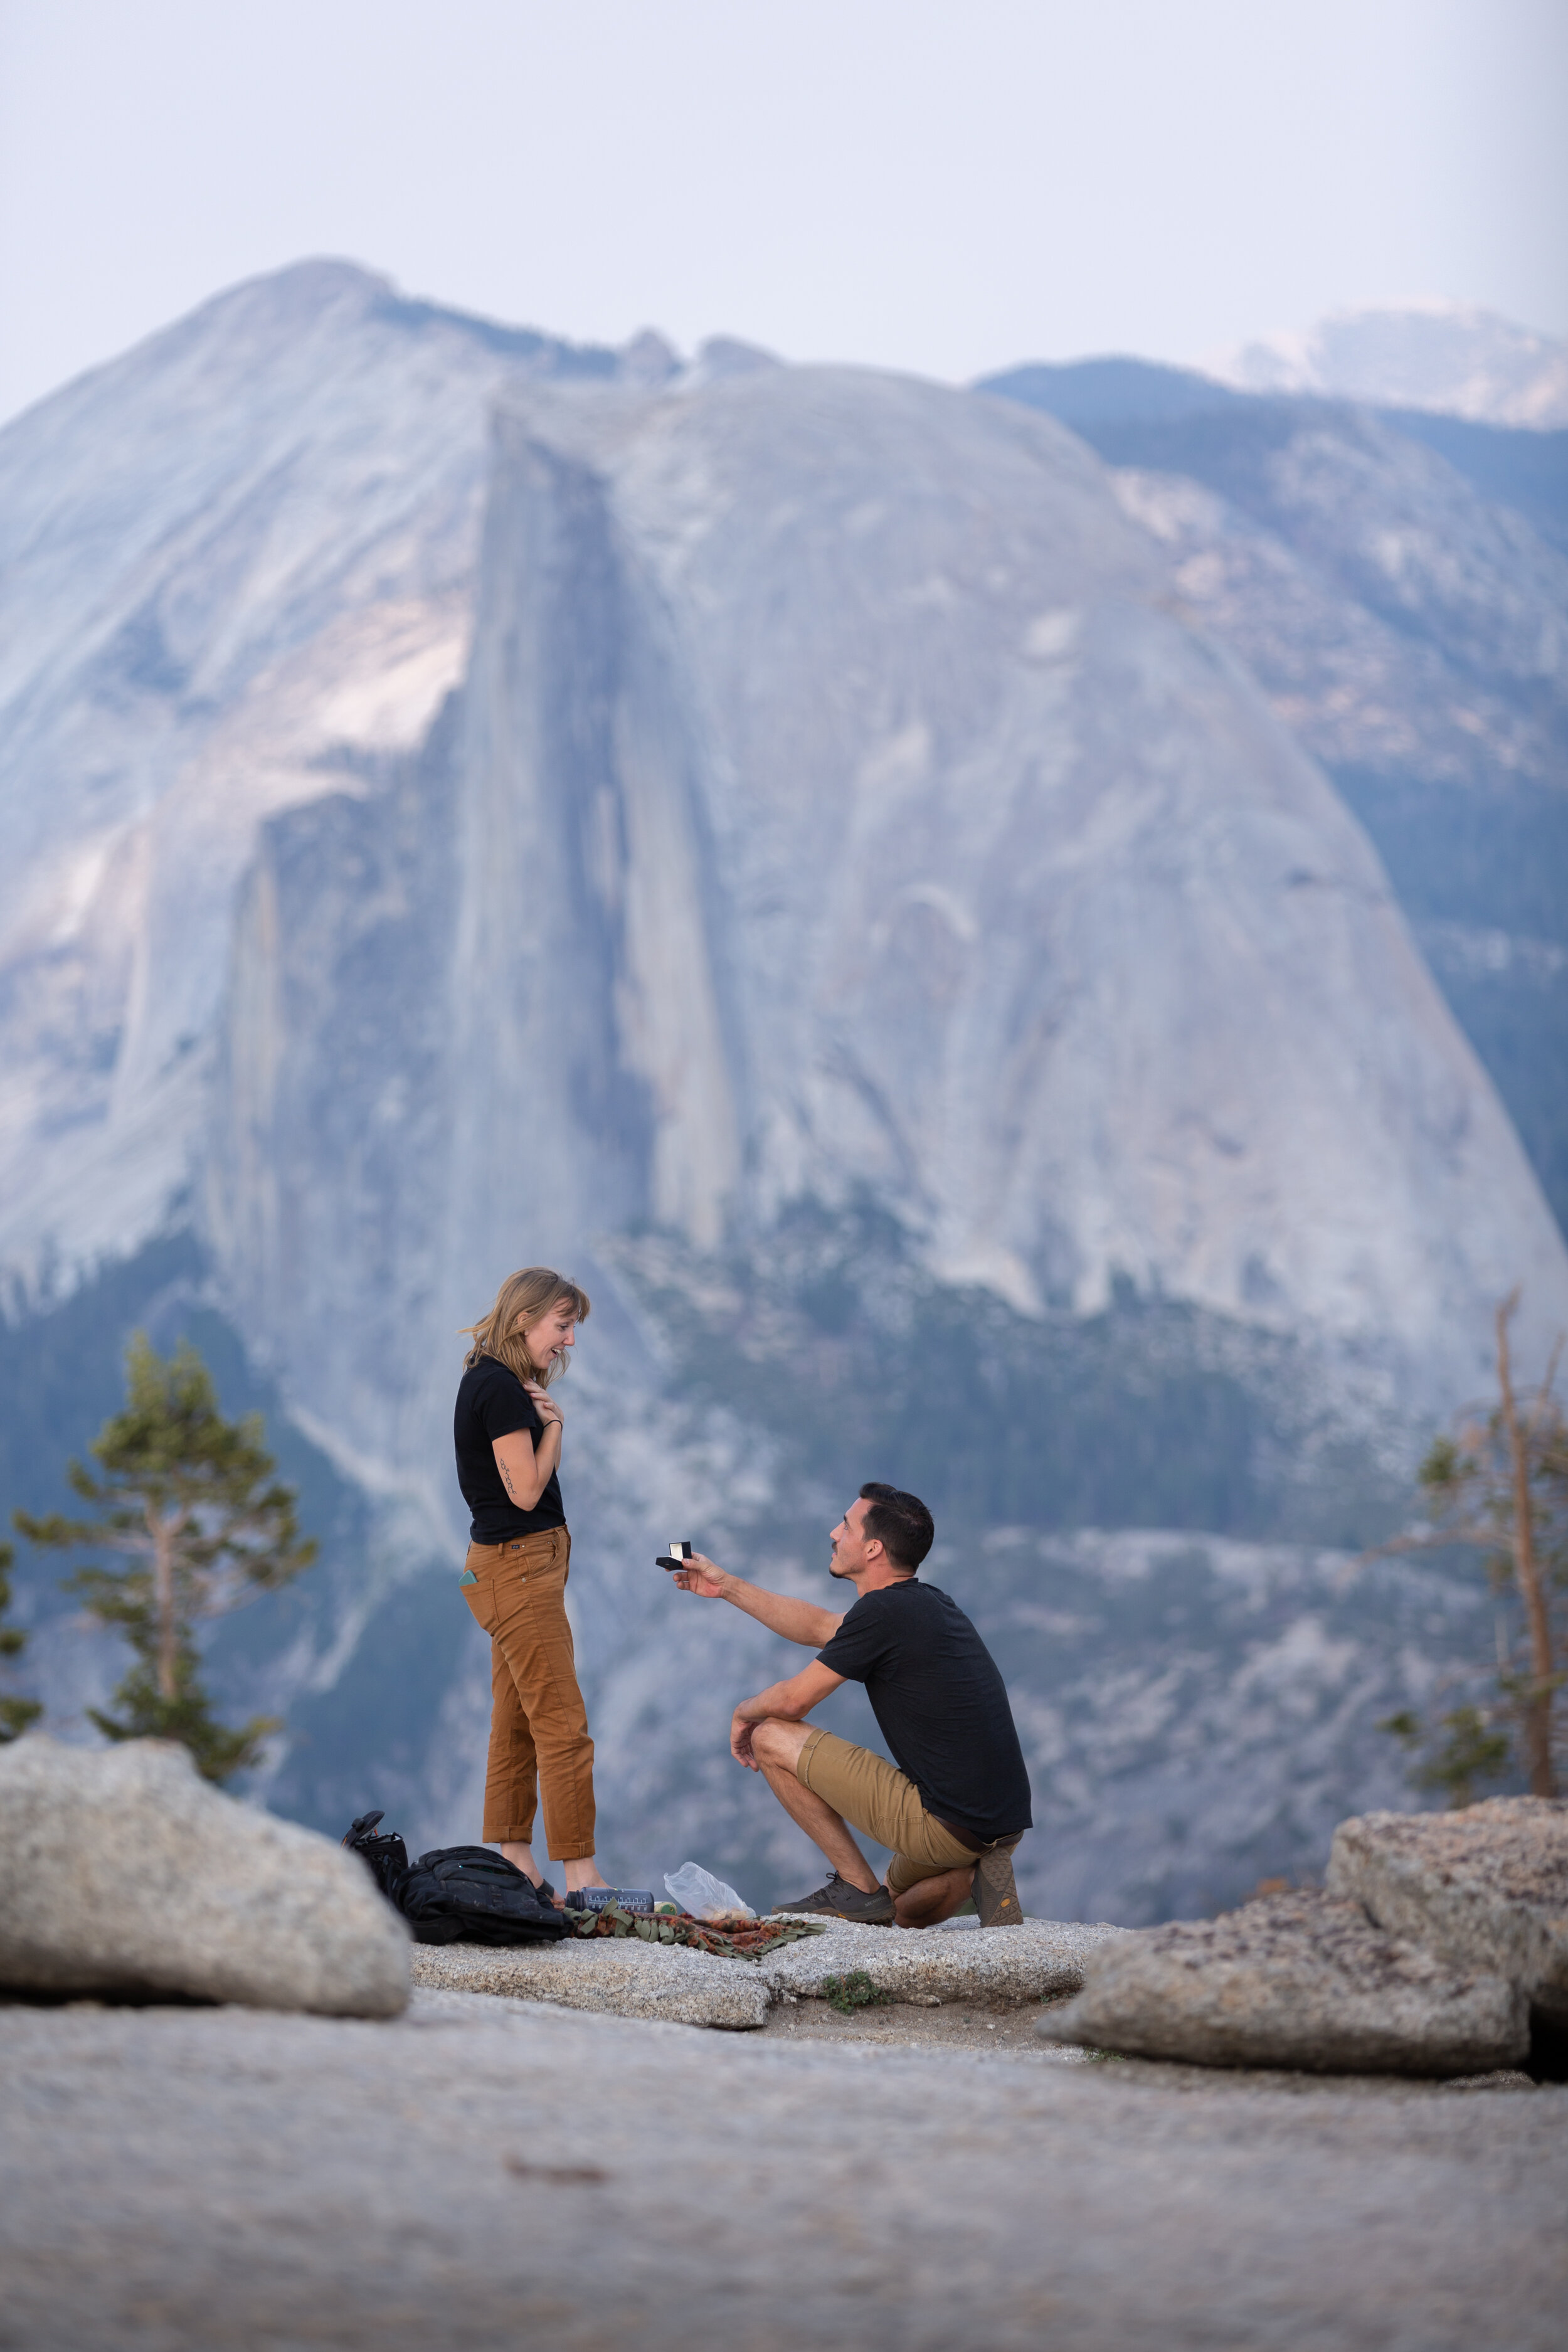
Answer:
(786, 842)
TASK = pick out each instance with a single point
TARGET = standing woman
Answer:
(508, 1435)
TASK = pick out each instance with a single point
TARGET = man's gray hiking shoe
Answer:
(839, 1900)
(995, 1891)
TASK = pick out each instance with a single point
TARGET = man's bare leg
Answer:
(777, 1745)
(930, 1900)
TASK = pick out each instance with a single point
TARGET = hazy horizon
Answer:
(892, 186)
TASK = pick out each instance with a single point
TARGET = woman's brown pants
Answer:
(539, 1725)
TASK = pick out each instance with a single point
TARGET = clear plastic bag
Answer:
(703, 1896)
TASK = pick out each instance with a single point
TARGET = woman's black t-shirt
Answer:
(492, 1402)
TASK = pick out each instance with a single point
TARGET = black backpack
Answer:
(467, 1894)
(386, 1858)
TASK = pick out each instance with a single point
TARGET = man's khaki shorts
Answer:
(873, 1795)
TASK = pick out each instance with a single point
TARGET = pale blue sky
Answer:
(946, 186)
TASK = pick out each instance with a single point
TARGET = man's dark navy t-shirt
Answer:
(939, 1696)
(492, 1402)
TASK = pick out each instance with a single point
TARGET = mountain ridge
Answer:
(1449, 357)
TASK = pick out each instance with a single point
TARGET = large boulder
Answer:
(1297, 1980)
(1485, 1888)
(125, 1873)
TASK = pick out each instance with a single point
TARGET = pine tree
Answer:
(191, 1500)
(16, 1714)
(1499, 1486)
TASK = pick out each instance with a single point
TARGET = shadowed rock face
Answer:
(236, 574)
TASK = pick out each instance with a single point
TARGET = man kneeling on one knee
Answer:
(957, 1800)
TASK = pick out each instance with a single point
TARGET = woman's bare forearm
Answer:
(525, 1467)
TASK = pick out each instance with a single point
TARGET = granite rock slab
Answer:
(616, 1976)
(1294, 1981)
(960, 1961)
(624, 1978)
(1485, 1887)
(481, 2173)
(123, 1873)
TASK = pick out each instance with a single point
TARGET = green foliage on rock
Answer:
(850, 1992)
(191, 1501)
(15, 1713)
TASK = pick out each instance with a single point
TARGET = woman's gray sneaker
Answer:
(839, 1900)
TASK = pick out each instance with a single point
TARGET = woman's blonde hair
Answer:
(524, 1299)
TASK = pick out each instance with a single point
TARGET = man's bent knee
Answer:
(778, 1742)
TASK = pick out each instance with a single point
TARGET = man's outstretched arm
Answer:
(798, 1621)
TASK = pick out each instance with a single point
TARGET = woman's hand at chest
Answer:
(526, 1465)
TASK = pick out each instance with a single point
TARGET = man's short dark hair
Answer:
(901, 1523)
